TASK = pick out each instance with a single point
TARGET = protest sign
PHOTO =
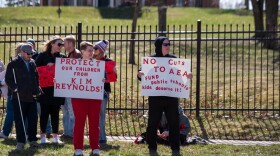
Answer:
(4, 88)
(165, 77)
(46, 76)
(79, 78)
(111, 76)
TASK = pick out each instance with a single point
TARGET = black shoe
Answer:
(48, 135)
(153, 152)
(176, 153)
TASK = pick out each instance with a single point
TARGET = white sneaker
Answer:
(2, 135)
(95, 152)
(78, 152)
(44, 140)
(56, 140)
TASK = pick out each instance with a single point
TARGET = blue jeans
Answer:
(9, 119)
(102, 123)
(49, 127)
(68, 117)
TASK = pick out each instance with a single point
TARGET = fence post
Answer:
(79, 34)
(198, 44)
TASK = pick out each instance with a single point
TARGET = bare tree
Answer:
(137, 9)
(199, 3)
(162, 9)
(271, 23)
(258, 17)
(247, 4)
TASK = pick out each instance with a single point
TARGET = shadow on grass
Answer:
(105, 147)
(236, 128)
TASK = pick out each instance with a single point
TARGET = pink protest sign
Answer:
(46, 76)
(111, 75)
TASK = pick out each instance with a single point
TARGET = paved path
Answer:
(232, 142)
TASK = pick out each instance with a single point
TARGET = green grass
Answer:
(117, 148)
(47, 16)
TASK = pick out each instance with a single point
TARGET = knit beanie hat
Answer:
(102, 45)
(158, 43)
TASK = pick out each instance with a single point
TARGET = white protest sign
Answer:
(79, 78)
(166, 77)
(3, 88)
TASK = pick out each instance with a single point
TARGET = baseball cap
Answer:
(30, 40)
(27, 48)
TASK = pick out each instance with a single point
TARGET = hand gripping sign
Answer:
(79, 78)
(166, 77)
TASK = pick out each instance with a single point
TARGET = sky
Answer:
(2, 2)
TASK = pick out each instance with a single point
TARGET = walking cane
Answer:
(20, 108)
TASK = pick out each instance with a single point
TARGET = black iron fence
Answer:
(233, 72)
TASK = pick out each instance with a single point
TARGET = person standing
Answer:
(86, 108)
(160, 104)
(33, 44)
(34, 56)
(99, 54)
(9, 118)
(50, 105)
(68, 115)
(22, 78)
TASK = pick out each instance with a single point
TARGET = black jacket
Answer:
(42, 60)
(27, 82)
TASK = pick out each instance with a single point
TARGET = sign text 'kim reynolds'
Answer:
(78, 78)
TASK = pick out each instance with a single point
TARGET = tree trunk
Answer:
(247, 4)
(132, 42)
(162, 9)
(258, 17)
(199, 3)
(271, 24)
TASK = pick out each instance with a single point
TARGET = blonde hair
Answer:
(100, 56)
(17, 49)
(53, 39)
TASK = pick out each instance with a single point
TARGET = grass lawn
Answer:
(47, 16)
(116, 148)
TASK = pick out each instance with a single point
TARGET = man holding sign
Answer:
(157, 83)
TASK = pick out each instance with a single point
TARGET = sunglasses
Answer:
(60, 44)
(166, 44)
(95, 48)
(28, 54)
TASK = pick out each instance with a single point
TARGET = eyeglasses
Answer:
(28, 54)
(166, 44)
(60, 44)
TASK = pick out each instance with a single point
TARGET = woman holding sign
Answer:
(111, 74)
(86, 108)
(50, 105)
(160, 104)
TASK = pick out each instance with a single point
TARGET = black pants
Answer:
(52, 110)
(158, 105)
(29, 113)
